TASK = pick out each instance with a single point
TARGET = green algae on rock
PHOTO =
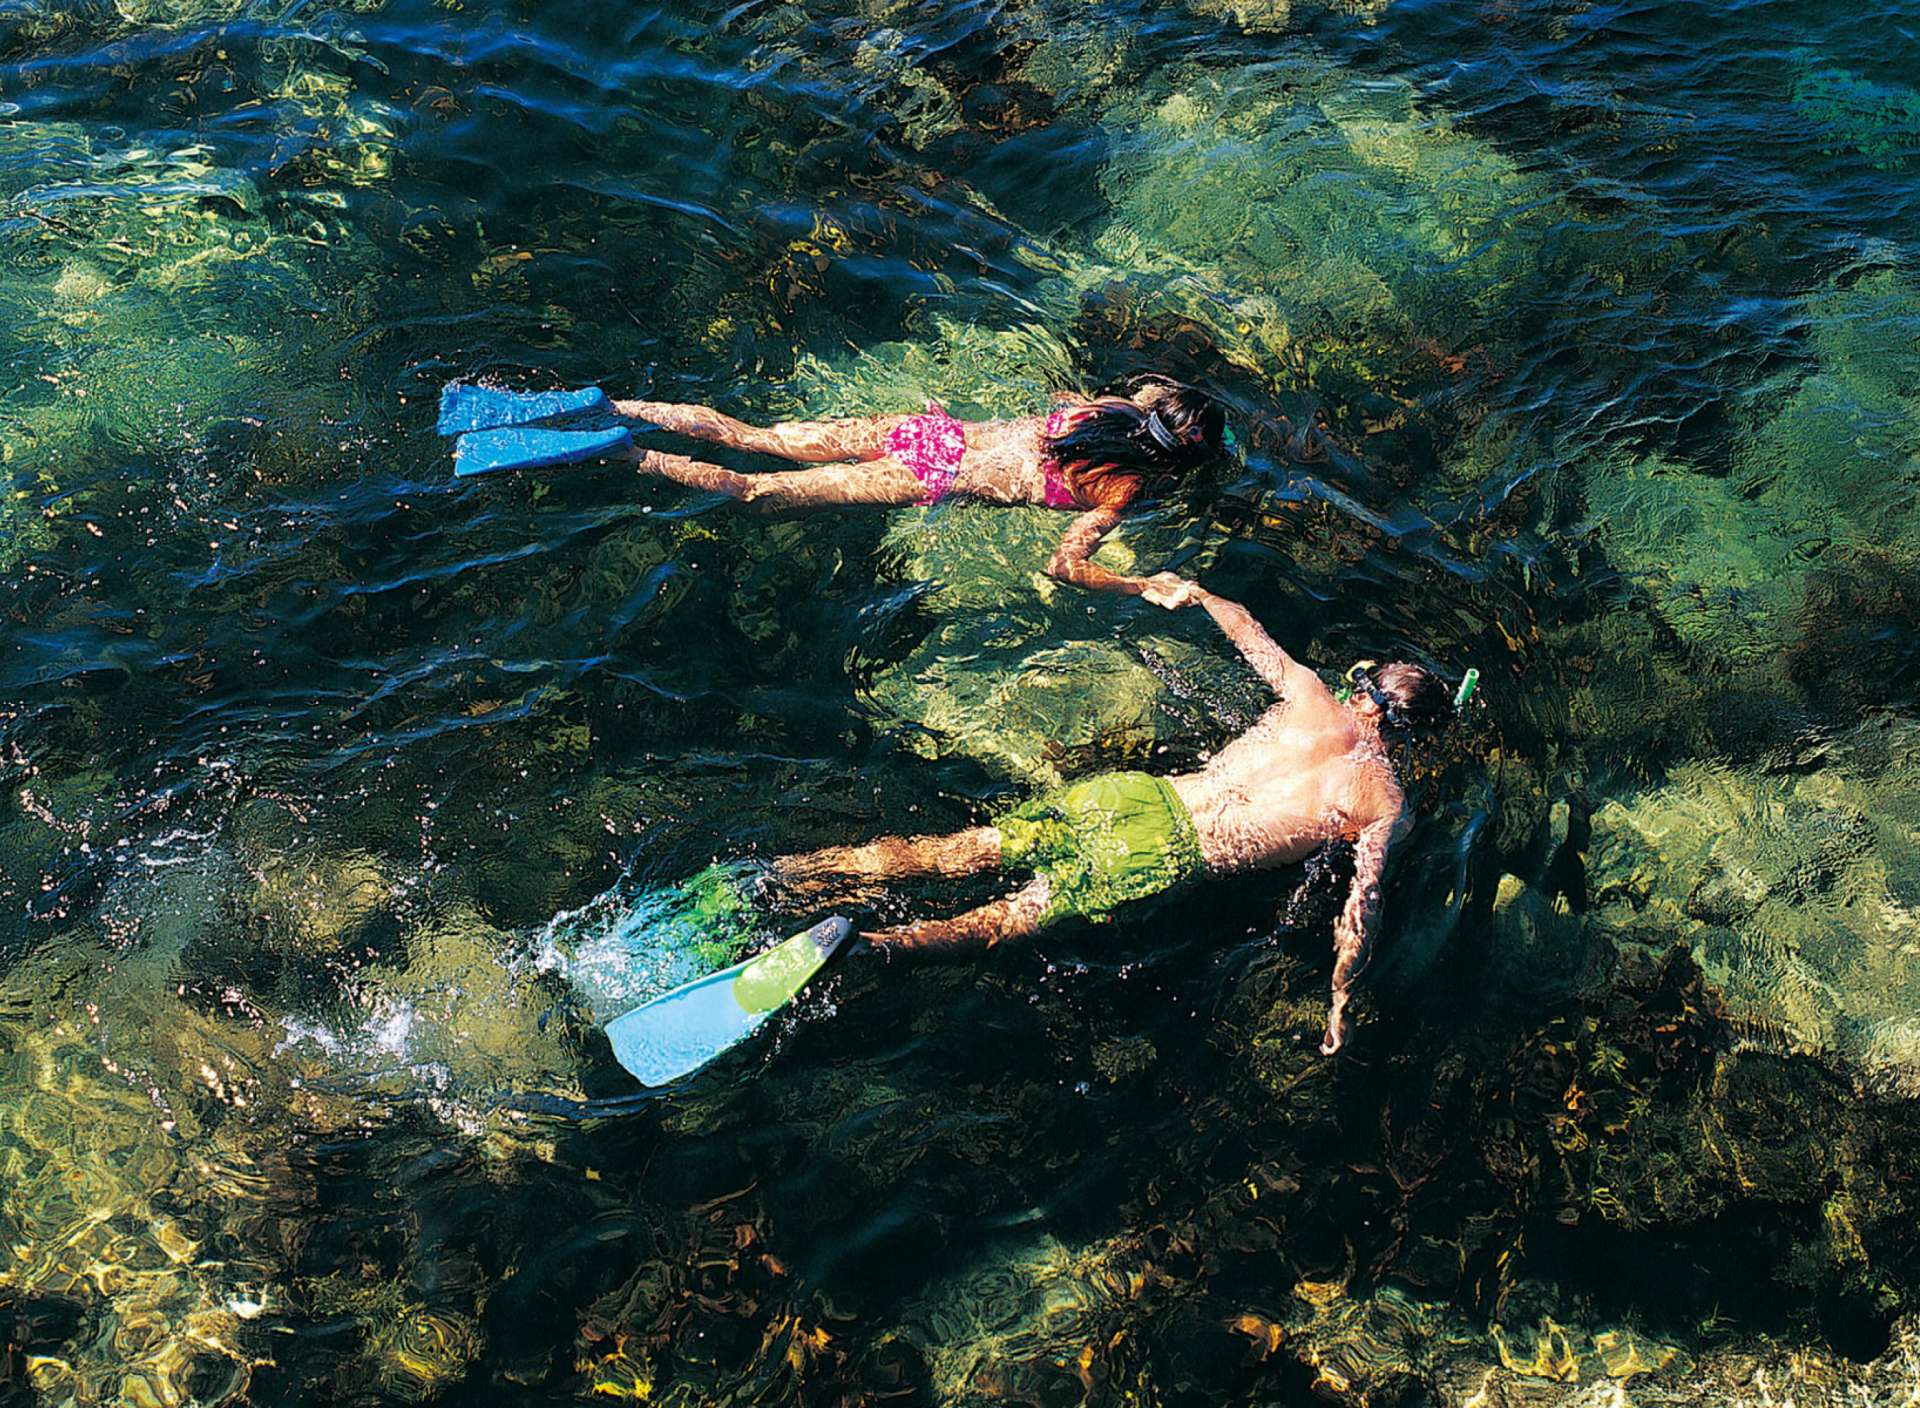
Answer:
(1879, 121)
(1026, 673)
(110, 1209)
(155, 288)
(1790, 887)
(1728, 560)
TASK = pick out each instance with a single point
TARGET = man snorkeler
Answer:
(1311, 770)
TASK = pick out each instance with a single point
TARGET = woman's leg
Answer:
(804, 441)
(879, 481)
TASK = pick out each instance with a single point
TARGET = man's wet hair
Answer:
(1414, 699)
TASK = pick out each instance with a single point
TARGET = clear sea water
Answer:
(1576, 342)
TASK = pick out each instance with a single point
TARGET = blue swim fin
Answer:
(464, 408)
(678, 1032)
(482, 451)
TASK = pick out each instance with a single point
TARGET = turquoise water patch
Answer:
(628, 946)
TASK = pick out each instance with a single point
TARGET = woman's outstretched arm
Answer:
(1071, 563)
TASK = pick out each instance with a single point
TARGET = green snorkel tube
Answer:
(1469, 682)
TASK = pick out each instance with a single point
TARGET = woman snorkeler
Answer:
(1097, 457)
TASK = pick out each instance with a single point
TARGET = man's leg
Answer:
(949, 857)
(805, 441)
(1018, 916)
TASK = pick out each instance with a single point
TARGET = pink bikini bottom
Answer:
(932, 446)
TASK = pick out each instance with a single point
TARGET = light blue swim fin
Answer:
(678, 1032)
(464, 408)
(483, 451)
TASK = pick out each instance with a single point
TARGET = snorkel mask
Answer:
(1360, 677)
(1355, 673)
(1167, 438)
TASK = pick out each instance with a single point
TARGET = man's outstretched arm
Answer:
(1353, 930)
(1252, 641)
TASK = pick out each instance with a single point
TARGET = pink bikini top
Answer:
(1058, 494)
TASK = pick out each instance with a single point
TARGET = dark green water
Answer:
(1580, 343)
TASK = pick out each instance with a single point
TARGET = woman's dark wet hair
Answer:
(1167, 442)
(1414, 699)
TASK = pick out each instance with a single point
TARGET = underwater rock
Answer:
(1378, 1348)
(321, 903)
(1305, 221)
(1627, 1367)
(1733, 563)
(1859, 621)
(1044, 714)
(1076, 54)
(1028, 1323)
(868, 53)
(1049, 1322)
(181, 12)
(422, 1352)
(1880, 121)
(409, 1351)
(1797, 891)
(1253, 16)
(454, 1021)
(1541, 944)
(109, 1213)
(1013, 668)
(1026, 673)
(1367, 1349)
(974, 370)
(1707, 555)
(157, 285)
(921, 104)
(331, 135)
(177, 14)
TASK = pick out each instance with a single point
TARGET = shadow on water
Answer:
(1574, 345)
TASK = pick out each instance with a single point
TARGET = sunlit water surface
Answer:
(1578, 343)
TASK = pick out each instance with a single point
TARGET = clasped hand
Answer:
(1172, 591)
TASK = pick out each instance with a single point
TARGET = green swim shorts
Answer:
(1113, 838)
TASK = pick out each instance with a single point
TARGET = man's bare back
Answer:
(1311, 770)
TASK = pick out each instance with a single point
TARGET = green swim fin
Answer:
(678, 1032)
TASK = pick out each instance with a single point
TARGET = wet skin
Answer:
(1309, 771)
(1003, 464)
